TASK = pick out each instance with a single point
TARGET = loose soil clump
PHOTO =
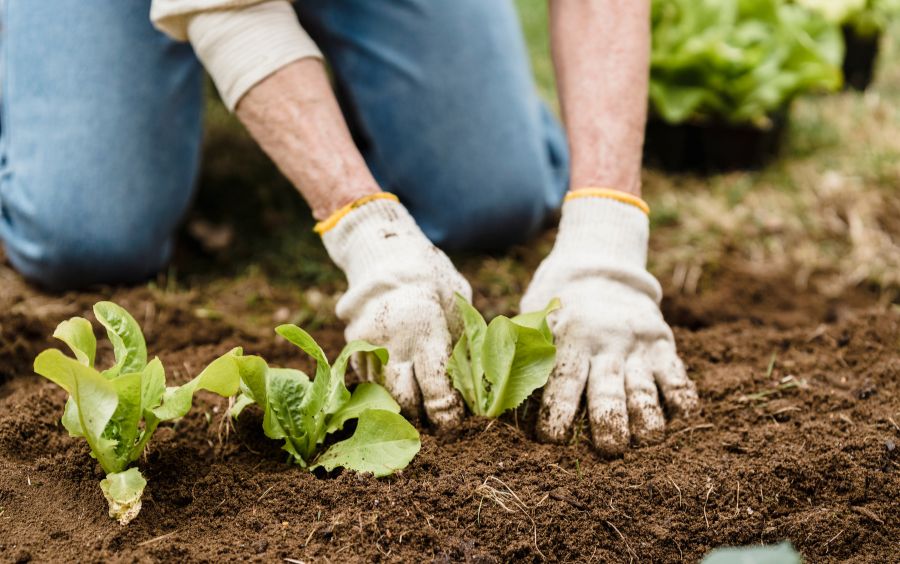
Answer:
(797, 439)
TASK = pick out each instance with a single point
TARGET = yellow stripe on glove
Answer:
(334, 218)
(617, 195)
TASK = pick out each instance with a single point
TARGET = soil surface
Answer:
(797, 439)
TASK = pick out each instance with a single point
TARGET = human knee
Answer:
(60, 256)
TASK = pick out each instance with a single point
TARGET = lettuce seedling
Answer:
(496, 366)
(738, 61)
(118, 410)
(303, 412)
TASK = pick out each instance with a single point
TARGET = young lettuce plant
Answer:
(496, 366)
(118, 410)
(738, 61)
(303, 412)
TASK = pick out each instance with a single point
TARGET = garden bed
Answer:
(797, 439)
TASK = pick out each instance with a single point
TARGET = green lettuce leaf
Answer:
(283, 395)
(221, 377)
(366, 396)
(383, 443)
(538, 319)
(117, 411)
(71, 420)
(340, 396)
(308, 345)
(739, 61)
(464, 366)
(253, 371)
(78, 334)
(517, 361)
(290, 417)
(496, 367)
(153, 385)
(304, 413)
(123, 425)
(94, 397)
(126, 337)
(241, 402)
(325, 391)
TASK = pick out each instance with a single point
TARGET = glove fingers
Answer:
(645, 416)
(400, 382)
(443, 405)
(678, 391)
(562, 395)
(607, 407)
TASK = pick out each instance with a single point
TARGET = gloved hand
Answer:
(401, 297)
(611, 338)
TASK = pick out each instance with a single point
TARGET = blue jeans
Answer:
(102, 121)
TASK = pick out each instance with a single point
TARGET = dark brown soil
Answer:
(806, 452)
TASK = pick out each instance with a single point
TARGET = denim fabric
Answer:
(101, 128)
(102, 120)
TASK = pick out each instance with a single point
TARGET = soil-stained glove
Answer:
(610, 334)
(401, 297)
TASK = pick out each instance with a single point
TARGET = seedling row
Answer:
(117, 409)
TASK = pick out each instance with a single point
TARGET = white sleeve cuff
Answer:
(172, 16)
(242, 46)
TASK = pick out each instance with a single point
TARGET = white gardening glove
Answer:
(401, 297)
(611, 338)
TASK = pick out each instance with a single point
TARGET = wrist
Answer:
(604, 230)
(295, 118)
(328, 207)
(331, 220)
(624, 182)
(609, 193)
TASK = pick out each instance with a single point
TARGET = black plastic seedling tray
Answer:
(712, 146)
(859, 58)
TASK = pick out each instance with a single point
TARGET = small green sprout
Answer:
(303, 413)
(497, 366)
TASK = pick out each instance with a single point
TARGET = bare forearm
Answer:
(295, 118)
(601, 51)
